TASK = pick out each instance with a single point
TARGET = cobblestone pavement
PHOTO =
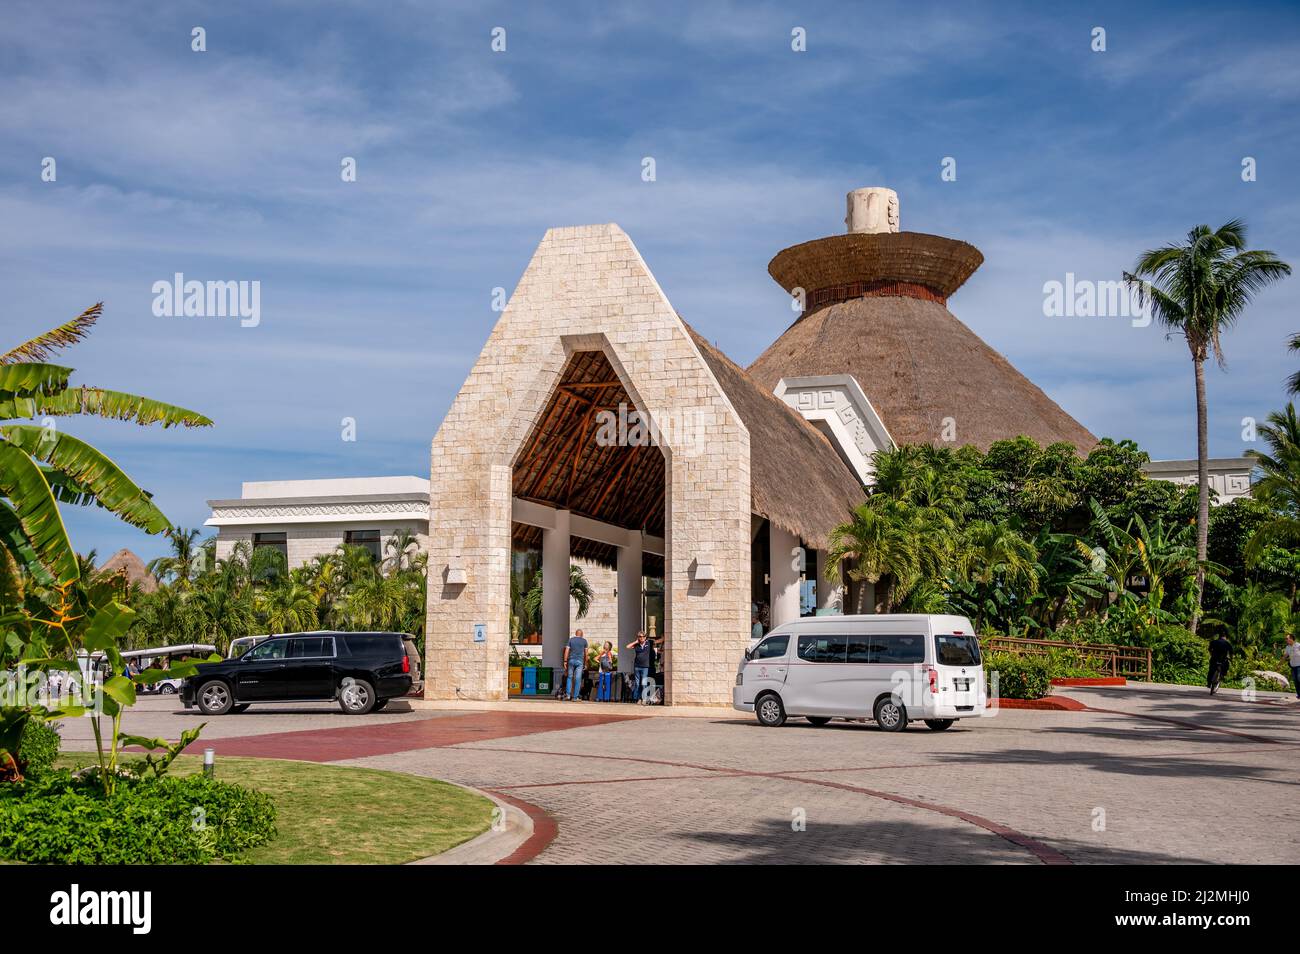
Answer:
(1146, 774)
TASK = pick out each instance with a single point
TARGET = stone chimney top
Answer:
(873, 209)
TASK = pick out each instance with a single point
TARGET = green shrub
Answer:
(39, 746)
(58, 818)
(1177, 655)
(1019, 677)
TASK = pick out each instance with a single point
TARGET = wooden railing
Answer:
(1132, 662)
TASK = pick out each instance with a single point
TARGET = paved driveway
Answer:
(1156, 774)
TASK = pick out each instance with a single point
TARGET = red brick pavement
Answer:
(354, 742)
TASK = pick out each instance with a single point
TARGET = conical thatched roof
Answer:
(797, 480)
(918, 365)
(127, 563)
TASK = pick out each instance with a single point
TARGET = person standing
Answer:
(606, 663)
(643, 654)
(755, 625)
(575, 659)
(1220, 653)
(1292, 653)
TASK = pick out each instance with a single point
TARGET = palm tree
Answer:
(288, 608)
(995, 556)
(402, 549)
(580, 592)
(1278, 484)
(1199, 289)
(1293, 382)
(42, 466)
(179, 563)
(890, 544)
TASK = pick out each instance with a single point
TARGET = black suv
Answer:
(361, 670)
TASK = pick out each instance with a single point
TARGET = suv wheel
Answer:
(214, 698)
(891, 715)
(168, 689)
(356, 697)
(769, 710)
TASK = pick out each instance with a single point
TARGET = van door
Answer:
(766, 667)
(960, 671)
(820, 678)
(896, 666)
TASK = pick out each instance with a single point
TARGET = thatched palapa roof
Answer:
(918, 365)
(126, 563)
(797, 480)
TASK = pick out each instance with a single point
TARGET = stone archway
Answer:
(587, 289)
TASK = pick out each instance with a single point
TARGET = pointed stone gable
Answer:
(587, 289)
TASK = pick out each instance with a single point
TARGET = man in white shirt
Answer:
(1292, 653)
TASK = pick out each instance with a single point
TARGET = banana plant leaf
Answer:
(32, 380)
(68, 333)
(89, 469)
(99, 402)
(32, 503)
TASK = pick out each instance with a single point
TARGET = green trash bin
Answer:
(544, 680)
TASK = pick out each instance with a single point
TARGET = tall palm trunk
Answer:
(1202, 488)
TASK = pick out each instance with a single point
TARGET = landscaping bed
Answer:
(290, 813)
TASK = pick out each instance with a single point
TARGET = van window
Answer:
(772, 648)
(823, 649)
(859, 649)
(957, 650)
(899, 650)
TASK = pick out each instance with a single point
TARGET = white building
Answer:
(308, 518)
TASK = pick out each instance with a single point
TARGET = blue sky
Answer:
(376, 294)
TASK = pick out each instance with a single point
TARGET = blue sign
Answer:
(480, 632)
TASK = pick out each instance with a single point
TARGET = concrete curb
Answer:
(492, 846)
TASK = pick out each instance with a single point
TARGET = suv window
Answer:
(772, 647)
(359, 643)
(823, 649)
(311, 647)
(271, 649)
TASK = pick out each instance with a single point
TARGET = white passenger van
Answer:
(891, 668)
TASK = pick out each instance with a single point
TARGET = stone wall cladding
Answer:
(587, 288)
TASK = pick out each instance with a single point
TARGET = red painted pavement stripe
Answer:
(353, 742)
(1044, 853)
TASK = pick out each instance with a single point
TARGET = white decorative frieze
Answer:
(837, 405)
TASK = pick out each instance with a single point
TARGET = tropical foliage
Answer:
(1037, 542)
(202, 599)
(51, 610)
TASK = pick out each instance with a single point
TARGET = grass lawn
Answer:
(333, 814)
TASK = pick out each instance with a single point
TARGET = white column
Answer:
(783, 572)
(555, 593)
(829, 595)
(629, 598)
